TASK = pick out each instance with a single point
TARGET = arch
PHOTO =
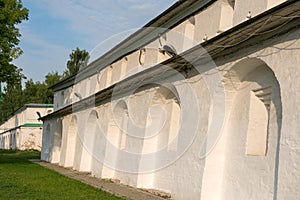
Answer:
(124, 62)
(46, 144)
(7, 141)
(109, 72)
(93, 85)
(87, 140)
(163, 113)
(13, 140)
(98, 145)
(116, 141)
(100, 80)
(10, 140)
(68, 144)
(250, 136)
(263, 119)
(18, 140)
(57, 140)
(189, 34)
(104, 78)
(62, 98)
(88, 87)
(83, 88)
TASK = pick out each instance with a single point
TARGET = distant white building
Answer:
(23, 130)
(202, 103)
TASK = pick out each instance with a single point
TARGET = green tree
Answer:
(12, 13)
(35, 92)
(15, 97)
(52, 78)
(12, 97)
(77, 59)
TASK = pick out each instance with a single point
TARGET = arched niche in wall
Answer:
(189, 34)
(97, 147)
(83, 90)
(120, 113)
(252, 130)
(104, 78)
(13, 140)
(87, 86)
(123, 67)
(76, 92)
(62, 99)
(161, 138)
(93, 84)
(8, 141)
(72, 96)
(46, 144)
(57, 141)
(109, 75)
(68, 144)
(18, 139)
(87, 138)
(116, 140)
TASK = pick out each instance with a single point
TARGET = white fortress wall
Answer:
(255, 154)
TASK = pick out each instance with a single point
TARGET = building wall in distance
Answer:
(23, 130)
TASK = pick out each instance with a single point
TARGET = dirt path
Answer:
(105, 185)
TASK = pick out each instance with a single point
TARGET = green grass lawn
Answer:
(21, 179)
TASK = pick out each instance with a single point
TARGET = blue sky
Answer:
(55, 27)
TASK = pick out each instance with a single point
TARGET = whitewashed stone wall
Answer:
(256, 154)
(23, 130)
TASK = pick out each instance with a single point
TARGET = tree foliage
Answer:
(15, 97)
(77, 59)
(12, 13)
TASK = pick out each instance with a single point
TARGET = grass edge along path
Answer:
(21, 179)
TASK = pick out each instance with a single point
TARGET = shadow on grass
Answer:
(16, 156)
